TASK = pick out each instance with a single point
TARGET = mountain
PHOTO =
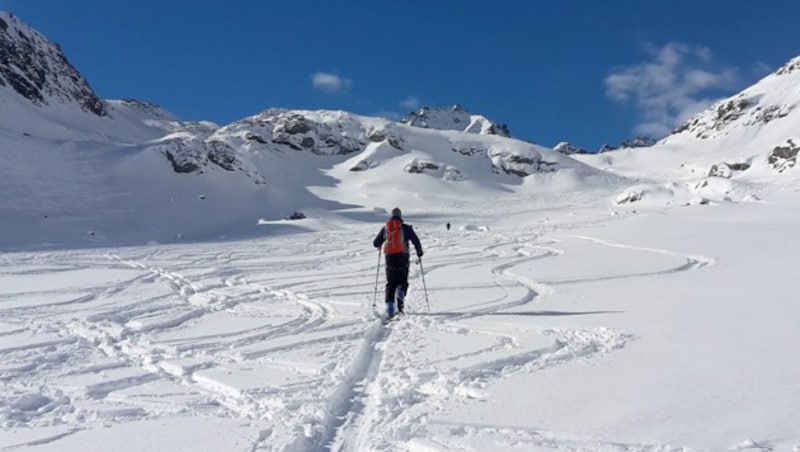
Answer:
(43, 95)
(454, 118)
(83, 170)
(567, 148)
(635, 142)
(37, 70)
(128, 171)
(734, 150)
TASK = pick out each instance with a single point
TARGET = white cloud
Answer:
(410, 103)
(330, 83)
(760, 69)
(671, 87)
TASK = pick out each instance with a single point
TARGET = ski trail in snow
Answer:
(280, 341)
(694, 261)
(351, 404)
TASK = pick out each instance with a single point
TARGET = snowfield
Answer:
(155, 296)
(549, 328)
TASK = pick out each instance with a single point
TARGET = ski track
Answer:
(369, 380)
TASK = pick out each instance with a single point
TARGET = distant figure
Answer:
(448, 226)
(396, 235)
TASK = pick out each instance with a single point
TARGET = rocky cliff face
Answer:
(35, 68)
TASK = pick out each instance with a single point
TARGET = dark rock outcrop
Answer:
(568, 148)
(35, 68)
(784, 157)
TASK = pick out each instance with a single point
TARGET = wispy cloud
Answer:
(410, 103)
(330, 83)
(673, 85)
(761, 69)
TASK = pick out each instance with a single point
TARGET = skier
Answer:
(396, 235)
(448, 225)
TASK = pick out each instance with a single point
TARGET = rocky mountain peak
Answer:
(454, 118)
(638, 142)
(568, 148)
(635, 142)
(35, 68)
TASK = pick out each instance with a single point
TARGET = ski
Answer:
(394, 318)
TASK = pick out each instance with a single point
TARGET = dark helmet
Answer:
(396, 212)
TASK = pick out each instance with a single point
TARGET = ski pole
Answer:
(422, 272)
(377, 274)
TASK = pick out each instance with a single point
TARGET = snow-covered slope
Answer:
(84, 170)
(198, 183)
(734, 150)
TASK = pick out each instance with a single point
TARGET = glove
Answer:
(420, 254)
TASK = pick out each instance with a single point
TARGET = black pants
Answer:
(396, 275)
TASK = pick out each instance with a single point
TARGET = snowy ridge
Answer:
(454, 118)
(738, 150)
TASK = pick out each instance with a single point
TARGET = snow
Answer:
(626, 301)
(666, 330)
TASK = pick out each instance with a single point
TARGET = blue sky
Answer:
(589, 72)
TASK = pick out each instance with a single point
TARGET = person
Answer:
(394, 236)
(448, 225)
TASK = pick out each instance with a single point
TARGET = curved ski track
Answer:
(170, 317)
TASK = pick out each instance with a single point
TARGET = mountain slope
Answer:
(81, 170)
(736, 149)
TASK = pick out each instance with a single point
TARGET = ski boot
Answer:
(401, 294)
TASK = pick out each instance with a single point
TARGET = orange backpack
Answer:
(395, 243)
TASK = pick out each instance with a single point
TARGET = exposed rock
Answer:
(362, 165)
(727, 169)
(520, 165)
(784, 157)
(731, 110)
(181, 163)
(568, 148)
(36, 69)
(789, 67)
(327, 137)
(629, 196)
(769, 113)
(255, 137)
(384, 134)
(638, 142)
(223, 155)
(452, 173)
(469, 151)
(419, 166)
